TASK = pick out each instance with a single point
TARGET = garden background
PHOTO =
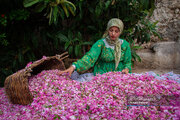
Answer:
(30, 29)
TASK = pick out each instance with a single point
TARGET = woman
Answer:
(108, 54)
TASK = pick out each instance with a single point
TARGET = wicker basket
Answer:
(17, 84)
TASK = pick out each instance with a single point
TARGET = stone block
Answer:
(162, 55)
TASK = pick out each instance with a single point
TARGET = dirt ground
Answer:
(157, 71)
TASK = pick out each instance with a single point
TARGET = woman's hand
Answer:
(69, 70)
(126, 71)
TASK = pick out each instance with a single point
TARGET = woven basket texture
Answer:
(17, 84)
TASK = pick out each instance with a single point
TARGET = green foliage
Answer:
(56, 117)
(26, 36)
(73, 43)
(28, 3)
(18, 15)
(3, 20)
(3, 23)
(3, 40)
(13, 55)
(95, 15)
(144, 30)
(55, 8)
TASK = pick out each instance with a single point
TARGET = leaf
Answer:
(87, 43)
(136, 56)
(62, 37)
(71, 10)
(145, 4)
(127, 19)
(67, 44)
(77, 50)
(155, 23)
(40, 7)
(70, 35)
(56, 117)
(50, 35)
(80, 10)
(20, 57)
(70, 3)
(14, 63)
(157, 34)
(79, 35)
(92, 27)
(28, 3)
(147, 37)
(32, 56)
(98, 10)
(91, 10)
(70, 50)
(107, 4)
(152, 7)
(136, 47)
(65, 9)
(50, 16)
(61, 12)
(56, 43)
(55, 15)
(87, 107)
(113, 1)
(80, 51)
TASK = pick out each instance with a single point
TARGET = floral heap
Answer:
(104, 97)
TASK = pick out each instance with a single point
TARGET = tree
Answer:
(47, 27)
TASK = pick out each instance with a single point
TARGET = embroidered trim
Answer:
(111, 46)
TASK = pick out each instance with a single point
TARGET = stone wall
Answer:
(167, 12)
(163, 54)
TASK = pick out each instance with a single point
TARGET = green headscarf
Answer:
(117, 50)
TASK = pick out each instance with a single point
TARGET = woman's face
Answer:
(114, 32)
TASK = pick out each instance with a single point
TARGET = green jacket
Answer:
(101, 56)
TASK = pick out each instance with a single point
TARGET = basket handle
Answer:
(59, 56)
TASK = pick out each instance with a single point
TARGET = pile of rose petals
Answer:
(104, 97)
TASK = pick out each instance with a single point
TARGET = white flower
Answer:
(72, 117)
